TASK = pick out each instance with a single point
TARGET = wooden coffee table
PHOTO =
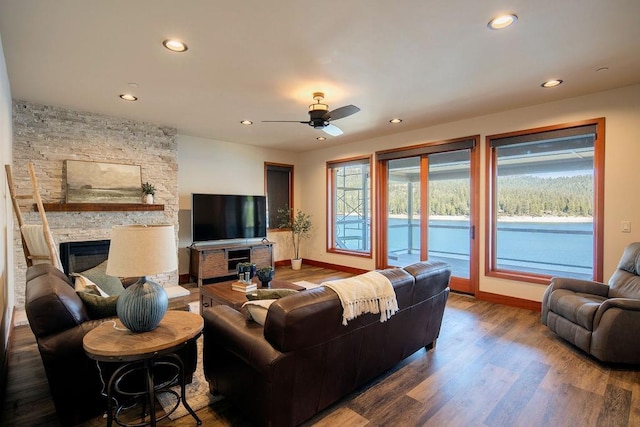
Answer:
(222, 294)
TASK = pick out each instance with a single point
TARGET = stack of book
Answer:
(244, 287)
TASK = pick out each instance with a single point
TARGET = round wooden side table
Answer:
(112, 342)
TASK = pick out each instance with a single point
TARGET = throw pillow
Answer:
(98, 275)
(98, 306)
(270, 294)
(82, 284)
(258, 309)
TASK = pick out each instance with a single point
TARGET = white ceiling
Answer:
(425, 61)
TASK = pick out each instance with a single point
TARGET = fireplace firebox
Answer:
(80, 256)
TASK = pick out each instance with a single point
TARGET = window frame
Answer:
(330, 243)
(598, 202)
(289, 205)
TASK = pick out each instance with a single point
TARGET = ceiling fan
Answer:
(321, 117)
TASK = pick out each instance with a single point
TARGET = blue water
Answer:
(545, 248)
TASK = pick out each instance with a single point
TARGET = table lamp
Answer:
(140, 251)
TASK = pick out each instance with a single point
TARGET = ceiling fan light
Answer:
(318, 107)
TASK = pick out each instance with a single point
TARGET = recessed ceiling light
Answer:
(128, 97)
(321, 138)
(175, 45)
(502, 21)
(246, 122)
(602, 69)
(551, 83)
(395, 121)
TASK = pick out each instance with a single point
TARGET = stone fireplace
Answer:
(47, 136)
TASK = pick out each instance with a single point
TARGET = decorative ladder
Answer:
(52, 257)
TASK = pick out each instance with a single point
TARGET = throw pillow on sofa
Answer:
(270, 294)
(98, 306)
(82, 284)
(98, 275)
(258, 309)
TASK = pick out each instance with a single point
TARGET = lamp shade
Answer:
(142, 250)
(138, 250)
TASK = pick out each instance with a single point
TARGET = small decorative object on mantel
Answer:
(148, 191)
(265, 274)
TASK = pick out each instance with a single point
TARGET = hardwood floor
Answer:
(493, 365)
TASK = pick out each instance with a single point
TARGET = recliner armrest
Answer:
(621, 303)
(580, 285)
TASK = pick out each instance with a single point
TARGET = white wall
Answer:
(6, 219)
(210, 166)
(620, 107)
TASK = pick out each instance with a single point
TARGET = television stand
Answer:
(219, 260)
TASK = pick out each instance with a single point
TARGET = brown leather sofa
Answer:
(59, 320)
(304, 359)
(603, 320)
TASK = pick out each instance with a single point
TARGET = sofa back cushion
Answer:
(625, 281)
(52, 304)
(432, 277)
(314, 316)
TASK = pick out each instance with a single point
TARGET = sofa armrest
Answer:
(227, 328)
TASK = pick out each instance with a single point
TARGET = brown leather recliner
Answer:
(59, 320)
(304, 359)
(603, 320)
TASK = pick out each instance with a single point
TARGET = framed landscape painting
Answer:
(94, 182)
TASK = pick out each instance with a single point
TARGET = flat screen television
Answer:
(228, 216)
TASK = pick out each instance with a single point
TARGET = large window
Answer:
(546, 202)
(279, 190)
(349, 210)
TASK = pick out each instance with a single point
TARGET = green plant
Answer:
(148, 189)
(298, 224)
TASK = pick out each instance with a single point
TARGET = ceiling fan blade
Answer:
(341, 112)
(284, 121)
(332, 130)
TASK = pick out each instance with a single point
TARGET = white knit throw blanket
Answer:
(367, 293)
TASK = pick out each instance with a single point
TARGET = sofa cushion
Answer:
(82, 284)
(576, 307)
(258, 309)
(98, 275)
(270, 294)
(97, 305)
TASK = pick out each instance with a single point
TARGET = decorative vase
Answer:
(266, 276)
(296, 264)
(142, 306)
(148, 199)
(250, 268)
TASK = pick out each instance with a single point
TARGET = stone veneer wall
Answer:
(47, 136)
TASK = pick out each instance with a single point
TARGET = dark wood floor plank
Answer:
(508, 410)
(616, 407)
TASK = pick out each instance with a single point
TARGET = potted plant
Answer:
(148, 191)
(265, 275)
(300, 227)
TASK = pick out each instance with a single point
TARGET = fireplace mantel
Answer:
(100, 207)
